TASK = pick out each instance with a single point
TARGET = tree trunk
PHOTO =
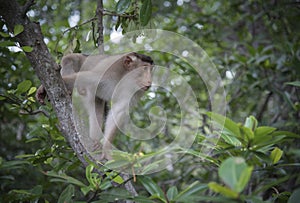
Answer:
(46, 69)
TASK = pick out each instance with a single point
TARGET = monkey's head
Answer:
(140, 66)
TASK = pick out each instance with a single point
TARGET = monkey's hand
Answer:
(104, 153)
(41, 95)
(105, 156)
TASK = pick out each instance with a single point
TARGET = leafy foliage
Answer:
(255, 46)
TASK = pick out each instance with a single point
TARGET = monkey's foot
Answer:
(96, 146)
(106, 156)
(41, 95)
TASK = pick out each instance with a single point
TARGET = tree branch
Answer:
(100, 28)
(76, 26)
(264, 106)
(27, 6)
(46, 70)
(112, 13)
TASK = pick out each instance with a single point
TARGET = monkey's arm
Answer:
(70, 81)
(41, 93)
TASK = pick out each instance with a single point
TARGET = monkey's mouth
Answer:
(145, 88)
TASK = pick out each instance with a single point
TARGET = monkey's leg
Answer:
(94, 111)
(111, 126)
(99, 108)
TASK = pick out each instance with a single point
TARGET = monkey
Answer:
(119, 79)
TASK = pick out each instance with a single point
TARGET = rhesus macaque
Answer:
(121, 79)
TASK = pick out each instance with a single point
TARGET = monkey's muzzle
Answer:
(145, 88)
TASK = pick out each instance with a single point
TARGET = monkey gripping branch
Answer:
(45, 67)
(47, 71)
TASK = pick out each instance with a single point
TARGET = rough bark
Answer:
(100, 29)
(46, 69)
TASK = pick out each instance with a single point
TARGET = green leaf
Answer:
(231, 140)
(118, 179)
(256, 199)
(172, 192)
(3, 34)
(190, 190)
(86, 189)
(244, 178)
(23, 86)
(247, 132)
(151, 166)
(33, 193)
(114, 194)
(88, 171)
(276, 155)
(77, 48)
(145, 12)
(31, 91)
(27, 48)
(232, 170)
(67, 194)
(251, 123)
(117, 164)
(131, 26)
(37, 190)
(7, 43)
(223, 190)
(263, 130)
(268, 141)
(295, 83)
(118, 23)
(92, 177)
(151, 186)
(201, 155)
(18, 29)
(141, 199)
(262, 136)
(122, 6)
(294, 198)
(271, 183)
(286, 134)
(105, 185)
(229, 125)
(65, 178)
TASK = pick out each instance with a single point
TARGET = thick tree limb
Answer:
(46, 70)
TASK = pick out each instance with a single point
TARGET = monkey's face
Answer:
(140, 71)
(144, 79)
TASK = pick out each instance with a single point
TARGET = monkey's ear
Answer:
(128, 62)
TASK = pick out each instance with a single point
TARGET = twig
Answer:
(104, 13)
(112, 13)
(26, 7)
(24, 112)
(76, 26)
(100, 27)
(264, 106)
